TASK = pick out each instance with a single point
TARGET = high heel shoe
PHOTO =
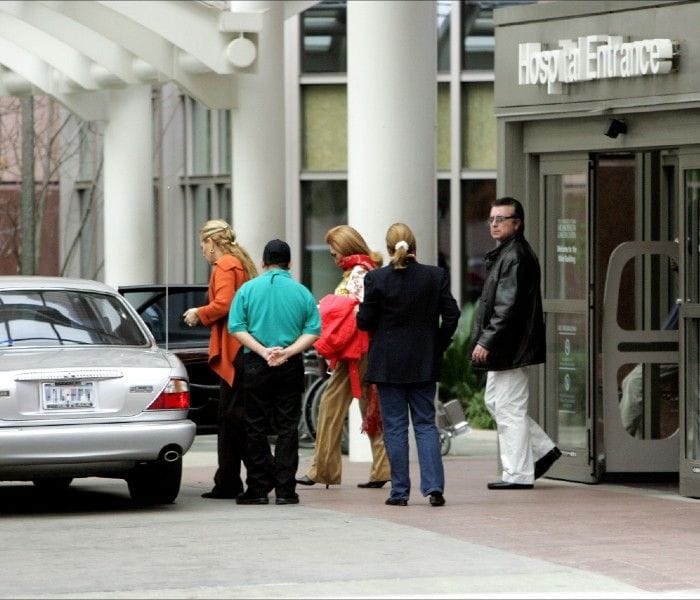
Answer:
(306, 480)
(373, 484)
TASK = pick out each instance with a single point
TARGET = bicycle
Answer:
(316, 376)
(450, 421)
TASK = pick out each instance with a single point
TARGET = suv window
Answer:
(162, 313)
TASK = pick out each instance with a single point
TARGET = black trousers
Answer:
(272, 406)
(231, 441)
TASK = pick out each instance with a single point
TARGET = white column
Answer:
(392, 128)
(258, 136)
(129, 222)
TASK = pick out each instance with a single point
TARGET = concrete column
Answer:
(392, 128)
(129, 228)
(258, 136)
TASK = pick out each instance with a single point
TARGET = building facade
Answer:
(192, 154)
(597, 108)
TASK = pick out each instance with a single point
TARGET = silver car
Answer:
(85, 391)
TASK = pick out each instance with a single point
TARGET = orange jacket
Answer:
(227, 276)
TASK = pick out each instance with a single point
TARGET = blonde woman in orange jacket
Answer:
(231, 268)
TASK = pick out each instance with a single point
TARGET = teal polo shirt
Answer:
(275, 309)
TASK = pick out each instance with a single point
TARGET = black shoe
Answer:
(287, 500)
(437, 499)
(373, 484)
(543, 464)
(506, 485)
(305, 480)
(246, 498)
(221, 495)
(396, 501)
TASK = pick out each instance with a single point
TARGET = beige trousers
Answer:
(327, 465)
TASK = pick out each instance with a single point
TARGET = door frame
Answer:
(577, 462)
(689, 321)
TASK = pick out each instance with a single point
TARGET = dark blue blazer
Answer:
(411, 316)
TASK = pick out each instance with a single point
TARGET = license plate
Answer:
(73, 394)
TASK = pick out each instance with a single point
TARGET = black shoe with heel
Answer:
(373, 484)
(306, 480)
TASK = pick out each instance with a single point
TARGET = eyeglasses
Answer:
(499, 219)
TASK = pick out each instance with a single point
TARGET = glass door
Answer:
(690, 324)
(636, 308)
(565, 219)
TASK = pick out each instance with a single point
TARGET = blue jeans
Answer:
(396, 400)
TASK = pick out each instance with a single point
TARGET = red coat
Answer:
(227, 276)
(340, 338)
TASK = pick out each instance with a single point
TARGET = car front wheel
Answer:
(155, 483)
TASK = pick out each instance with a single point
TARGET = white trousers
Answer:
(521, 441)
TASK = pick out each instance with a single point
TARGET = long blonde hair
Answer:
(347, 241)
(223, 236)
(400, 244)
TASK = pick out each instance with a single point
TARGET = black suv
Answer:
(161, 307)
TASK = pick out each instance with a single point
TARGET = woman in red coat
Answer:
(231, 268)
(351, 254)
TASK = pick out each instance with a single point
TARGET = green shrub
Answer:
(459, 380)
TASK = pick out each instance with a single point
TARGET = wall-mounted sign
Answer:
(592, 57)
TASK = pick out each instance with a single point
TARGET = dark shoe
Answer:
(506, 485)
(543, 464)
(373, 484)
(247, 498)
(287, 500)
(305, 480)
(437, 499)
(220, 495)
(396, 501)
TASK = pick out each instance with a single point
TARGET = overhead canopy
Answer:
(75, 51)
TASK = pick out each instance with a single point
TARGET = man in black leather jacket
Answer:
(508, 336)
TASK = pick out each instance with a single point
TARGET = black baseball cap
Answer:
(276, 252)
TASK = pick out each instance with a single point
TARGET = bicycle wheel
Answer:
(312, 401)
(312, 407)
(312, 375)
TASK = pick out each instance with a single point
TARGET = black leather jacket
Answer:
(508, 321)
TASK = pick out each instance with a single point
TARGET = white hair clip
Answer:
(401, 244)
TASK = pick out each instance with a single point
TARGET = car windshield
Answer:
(65, 318)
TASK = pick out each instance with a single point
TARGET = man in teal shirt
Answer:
(276, 319)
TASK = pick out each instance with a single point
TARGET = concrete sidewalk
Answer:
(560, 539)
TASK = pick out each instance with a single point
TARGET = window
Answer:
(444, 8)
(325, 127)
(206, 201)
(477, 196)
(324, 205)
(478, 32)
(324, 39)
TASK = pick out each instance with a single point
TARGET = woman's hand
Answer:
(191, 317)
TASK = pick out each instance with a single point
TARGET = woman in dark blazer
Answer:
(411, 315)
